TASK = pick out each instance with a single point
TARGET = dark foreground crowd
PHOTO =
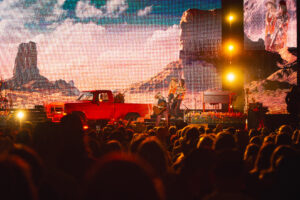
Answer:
(62, 161)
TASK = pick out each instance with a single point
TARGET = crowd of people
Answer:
(64, 161)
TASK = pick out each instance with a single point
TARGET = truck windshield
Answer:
(86, 96)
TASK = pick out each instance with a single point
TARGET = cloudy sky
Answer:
(97, 43)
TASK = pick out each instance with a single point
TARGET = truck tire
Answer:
(132, 116)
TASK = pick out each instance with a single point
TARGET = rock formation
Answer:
(200, 40)
(201, 34)
(159, 81)
(26, 75)
(26, 63)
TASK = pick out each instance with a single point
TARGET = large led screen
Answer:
(270, 41)
(52, 50)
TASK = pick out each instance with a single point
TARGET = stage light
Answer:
(230, 77)
(85, 127)
(20, 115)
(230, 47)
(230, 18)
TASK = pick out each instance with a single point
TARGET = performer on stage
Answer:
(172, 91)
(281, 28)
(161, 109)
(179, 96)
(270, 22)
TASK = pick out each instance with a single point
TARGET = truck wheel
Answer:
(132, 116)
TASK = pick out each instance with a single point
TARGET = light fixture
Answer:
(230, 77)
(20, 115)
(230, 18)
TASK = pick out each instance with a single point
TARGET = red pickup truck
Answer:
(98, 105)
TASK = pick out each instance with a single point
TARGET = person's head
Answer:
(162, 134)
(263, 159)
(72, 131)
(286, 129)
(15, 180)
(32, 159)
(201, 130)
(282, 7)
(208, 131)
(173, 138)
(256, 140)
(205, 142)
(122, 176)
(151, 132)
(251, 151)
(279, 152)
(295, 136)
(6, 144)
(190, 140)
(128, 135)
(250, 155)
(269, 139)
(224, 141)
(229, 169)
(283, 139)
(199, 159)
(287, 173)
(158, 95)
(24, 137)
(253, 132)
(242, 139)
(153, 152)
(136, 141)
(231, 130)
(192, 134)
(294, 89)
(28, 125)
(173, 82)
(264, 131)
(118, 134)
(271, 5)
(218, 128)
(184, 130)
(92, 146)
(111, 146)
(172, 130)
(46, 141)
(196, 172)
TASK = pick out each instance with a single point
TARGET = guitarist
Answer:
(161, 109)
(179, 96)
(171, 96)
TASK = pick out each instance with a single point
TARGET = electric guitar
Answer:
(160, 108)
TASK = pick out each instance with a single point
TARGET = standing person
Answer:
(270, 22)
(292, 100)
(172, 91)
(279, 40)
(180, 92)
(161, 109)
